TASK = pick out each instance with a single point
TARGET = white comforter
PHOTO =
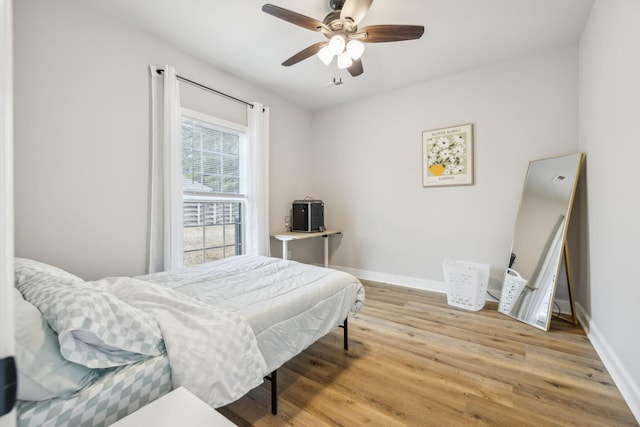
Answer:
(212, 352)
(289, 305)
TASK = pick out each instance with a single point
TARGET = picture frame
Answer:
(447, 156)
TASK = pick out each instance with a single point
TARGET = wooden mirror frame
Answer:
(539, 247)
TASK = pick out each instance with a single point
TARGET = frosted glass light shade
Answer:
(355, 49)
(344, 60)
(326, 55)
(336, 44)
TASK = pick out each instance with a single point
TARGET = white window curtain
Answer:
(165, 222)
(257, 211)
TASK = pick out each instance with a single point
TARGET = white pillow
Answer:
(95, 328)
(28, 269)
(42, 371)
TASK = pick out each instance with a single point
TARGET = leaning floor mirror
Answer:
(539, 240)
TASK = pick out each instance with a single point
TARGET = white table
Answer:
(178, 408)
(287, 236)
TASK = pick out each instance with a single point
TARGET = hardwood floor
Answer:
(413, 360)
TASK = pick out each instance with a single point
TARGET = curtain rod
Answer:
(217, 92)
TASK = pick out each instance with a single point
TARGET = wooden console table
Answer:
(298, 235)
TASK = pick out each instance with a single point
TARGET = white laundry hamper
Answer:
(513, 286)
(466, 283)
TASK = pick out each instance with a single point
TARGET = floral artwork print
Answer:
(447, 156)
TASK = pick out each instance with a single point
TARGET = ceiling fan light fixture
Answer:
(336, 44)
(326, 55)
(355, 48)
(344, 60)
(343, 37)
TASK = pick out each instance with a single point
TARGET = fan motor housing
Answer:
(336, 4)
(332, 20)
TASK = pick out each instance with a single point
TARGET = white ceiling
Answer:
(236, 36)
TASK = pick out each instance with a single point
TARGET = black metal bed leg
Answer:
(273, 377)
(345, 326)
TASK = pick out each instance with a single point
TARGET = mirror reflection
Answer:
(538, 247)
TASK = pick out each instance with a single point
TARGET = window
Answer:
(213, 187)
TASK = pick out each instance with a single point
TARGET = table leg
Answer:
(285, 249)
(326, 251)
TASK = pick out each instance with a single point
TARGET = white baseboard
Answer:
(393, 279)
(628, 386)
(564, 304)
(406, 281)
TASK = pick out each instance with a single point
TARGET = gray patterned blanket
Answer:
(212, 352)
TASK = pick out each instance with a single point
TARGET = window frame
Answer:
(201, 197)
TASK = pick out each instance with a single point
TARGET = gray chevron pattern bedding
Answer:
(115, 394)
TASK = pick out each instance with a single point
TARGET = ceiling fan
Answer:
(344, 38)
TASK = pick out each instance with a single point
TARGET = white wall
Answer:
(82, 136)
(609, 106)
(367, 166)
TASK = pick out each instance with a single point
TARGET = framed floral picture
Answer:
(447, 156)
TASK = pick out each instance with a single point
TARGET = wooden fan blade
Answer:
(293, 17)
(356, 68)
(305, 53)
(389, 33)
(355, 10)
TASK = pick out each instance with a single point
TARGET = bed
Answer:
(218, 329)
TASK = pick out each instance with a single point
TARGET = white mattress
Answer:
(289, 305)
